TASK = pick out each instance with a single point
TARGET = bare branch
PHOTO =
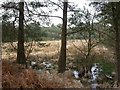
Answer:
(10, 7)
(78, 49)
(41, 14)
(56, 4)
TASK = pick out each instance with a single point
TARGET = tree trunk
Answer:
(117, 52)
(62, 58)
(89, 42)
(117, 36)
(20, 51)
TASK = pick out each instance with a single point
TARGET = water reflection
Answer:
(76, 74)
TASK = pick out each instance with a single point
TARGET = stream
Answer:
(95, 70)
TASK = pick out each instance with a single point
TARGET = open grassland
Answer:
(51, 49)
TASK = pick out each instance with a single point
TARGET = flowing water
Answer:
(76, 74)
(95, 70)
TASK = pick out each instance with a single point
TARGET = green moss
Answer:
(47, 38)
(107, 66)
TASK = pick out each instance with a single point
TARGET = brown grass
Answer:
(16, 76)
(52, 50)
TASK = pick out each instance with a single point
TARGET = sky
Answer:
(57, 21)
(80, 4)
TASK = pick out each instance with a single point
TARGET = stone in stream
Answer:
(81, 73)
(100, 80)
(84, 80)
(68, 74)
(113, 74)
(88, 75)
(33, 63)
(108, 76)
(94, 85)
(105, 85)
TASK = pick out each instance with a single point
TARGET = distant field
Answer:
(51, 49)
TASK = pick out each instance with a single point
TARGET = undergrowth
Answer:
(16, 76)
